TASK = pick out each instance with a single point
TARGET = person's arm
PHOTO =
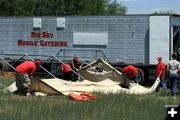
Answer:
(179, 69)
(132, 72)
(131, 76)
(73, 64)
(161, 69)
(123, 71)
(168, 68)
(33, 71)
(61, 67)
(81, 62)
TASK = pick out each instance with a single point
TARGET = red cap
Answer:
(37, 62)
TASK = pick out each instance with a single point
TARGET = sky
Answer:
(150, 6)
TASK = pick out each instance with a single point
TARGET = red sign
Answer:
(43, 35)
(42, 43)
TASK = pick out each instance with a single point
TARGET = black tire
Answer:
(140, 78)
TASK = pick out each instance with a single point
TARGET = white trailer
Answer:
(123, 40)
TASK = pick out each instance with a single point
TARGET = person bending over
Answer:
(130, 72)
(24, 71)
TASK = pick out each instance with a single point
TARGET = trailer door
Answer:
(176, 40)
(159, 38)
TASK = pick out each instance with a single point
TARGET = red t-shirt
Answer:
(27, 67)
(66, 68)
(160, 66)
(130, 70)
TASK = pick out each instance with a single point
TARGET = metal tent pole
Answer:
(69, 68)
(41, 67)
(7, 63)
(93, 68)
(5, 88)
(51, 74)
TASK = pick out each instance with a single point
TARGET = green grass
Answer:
(105, 107)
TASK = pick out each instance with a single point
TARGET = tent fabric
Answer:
(58, 86)
(37, 86)
(89, 72)
(109, 80)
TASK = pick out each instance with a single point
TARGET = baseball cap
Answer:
(37, 62)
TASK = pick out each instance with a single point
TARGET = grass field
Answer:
(105, 107)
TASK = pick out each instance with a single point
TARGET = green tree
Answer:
(165, 12)
(90, 7)
(6, 8)
(115, 8)
(24, 7)
(60, 7)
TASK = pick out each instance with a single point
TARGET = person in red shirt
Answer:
(23, 73)
(160, 72)
(67, 70)
(130, 72)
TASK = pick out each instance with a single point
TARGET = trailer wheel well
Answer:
(141, 76)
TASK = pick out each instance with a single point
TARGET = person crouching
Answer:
(67, 71)
(131, 73)
(24, 71)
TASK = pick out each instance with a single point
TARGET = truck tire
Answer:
(140, 78)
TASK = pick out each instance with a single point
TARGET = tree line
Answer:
(60, 7)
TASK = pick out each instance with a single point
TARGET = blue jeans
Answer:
(173, 82)
(163, 83)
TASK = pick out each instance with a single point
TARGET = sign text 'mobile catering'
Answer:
(46, 35)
